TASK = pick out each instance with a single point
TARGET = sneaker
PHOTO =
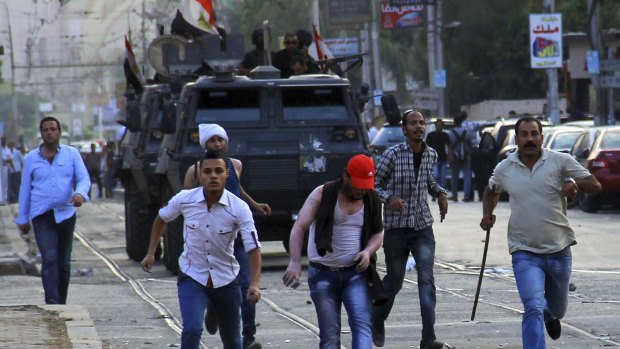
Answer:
(252, 345)
(554, 329)
(434, 344)
(378, 332)
(211, 321)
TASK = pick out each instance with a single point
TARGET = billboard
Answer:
(546, 40)
(401, 16)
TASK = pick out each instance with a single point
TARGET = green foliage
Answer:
(283, 15)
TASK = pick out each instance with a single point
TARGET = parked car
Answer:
(387, 136)
(561, 138)
(598, 150)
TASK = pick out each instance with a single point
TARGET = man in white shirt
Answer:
(207, 267)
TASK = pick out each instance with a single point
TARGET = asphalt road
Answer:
(127, 317)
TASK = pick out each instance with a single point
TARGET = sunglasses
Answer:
(288, 42)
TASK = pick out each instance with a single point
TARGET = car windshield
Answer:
(611, 140)
(228, 106)
(565, 140)
(389, 135)
(303, 104)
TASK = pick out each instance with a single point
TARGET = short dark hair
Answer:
(212, 156)
(297, 59)
(406, 113)
(527, 119)
(49, 118)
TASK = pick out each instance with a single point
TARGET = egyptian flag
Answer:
(200, 14)
(318, 50)
(132, 71)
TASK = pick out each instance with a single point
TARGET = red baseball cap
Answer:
(361, 168)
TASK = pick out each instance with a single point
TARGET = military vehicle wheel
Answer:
(173, 245)
(138, 221)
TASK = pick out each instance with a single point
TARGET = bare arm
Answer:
(363, 257)
(263, 208)
(256, 264)
(190, 179)
(489, 202)
(589, 184)
(157, 231)
(303, 222)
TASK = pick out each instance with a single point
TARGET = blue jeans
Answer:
(397, 245)
(329, 290)
(542, 281)
(55, 241)
(456, 167)
(248, 309)
(440, 173)
(194, 299)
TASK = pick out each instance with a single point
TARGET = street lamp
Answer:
(14, 125)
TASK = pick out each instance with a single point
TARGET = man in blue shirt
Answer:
(48, 198)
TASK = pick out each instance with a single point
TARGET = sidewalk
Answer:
(25, 322)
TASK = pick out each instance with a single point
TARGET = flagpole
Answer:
(314, 6)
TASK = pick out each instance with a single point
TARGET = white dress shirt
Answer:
(209, 234)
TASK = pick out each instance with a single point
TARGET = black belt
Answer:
(325, 267)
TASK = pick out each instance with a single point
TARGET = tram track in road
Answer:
(308, 323)
(164, 312)
(462, 269)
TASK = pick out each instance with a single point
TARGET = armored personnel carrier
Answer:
(290, 134)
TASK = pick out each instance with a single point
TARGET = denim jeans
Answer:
(397, 245)
(329, 290)
(456, 167)
(194, 299)
(440, 173)
(55, 241)
(542, 281)
(248, 309)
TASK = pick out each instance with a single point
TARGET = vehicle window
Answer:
(226, 106)
(564, 140)
(611, 140)
(303, 104)
(583, 143)
(389, 135)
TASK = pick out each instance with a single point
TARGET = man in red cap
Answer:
(346, 229)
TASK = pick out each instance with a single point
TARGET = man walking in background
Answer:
(48, 198)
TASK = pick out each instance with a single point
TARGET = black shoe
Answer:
(252, 344)
(434, 344)
(554, 329)
(378, 332)
(211, 321)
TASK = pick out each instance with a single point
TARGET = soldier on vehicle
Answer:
(282, 58)
(539, 236)
(255, 57)
(207, 267)
(344, 221)
(214, 140)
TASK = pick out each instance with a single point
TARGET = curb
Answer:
(80, 328)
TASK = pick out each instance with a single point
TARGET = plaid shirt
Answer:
(396, 176)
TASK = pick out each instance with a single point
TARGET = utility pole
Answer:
(12, 125)
(441, 101)
(376, 57)
(553, 110)
(596, 45)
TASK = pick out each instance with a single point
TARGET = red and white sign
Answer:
(401, 16)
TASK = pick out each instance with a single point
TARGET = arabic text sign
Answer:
(546, 40)
(401, 16)
(343, 46)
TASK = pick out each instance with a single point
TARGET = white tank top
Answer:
(346, 239)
